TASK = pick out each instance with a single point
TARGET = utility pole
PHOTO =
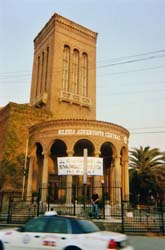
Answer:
(24, 170)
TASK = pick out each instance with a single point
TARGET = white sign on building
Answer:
(75, 166)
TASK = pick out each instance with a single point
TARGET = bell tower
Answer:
(64, 70)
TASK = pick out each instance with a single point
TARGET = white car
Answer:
(61, 233)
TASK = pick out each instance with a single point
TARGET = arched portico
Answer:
(69, 139)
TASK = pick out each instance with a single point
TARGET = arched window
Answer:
(66, 59)
(75, 70)
(84, 74)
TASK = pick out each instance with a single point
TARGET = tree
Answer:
(144, 164)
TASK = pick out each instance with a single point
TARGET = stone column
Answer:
(112, 182)
(126, 180)
(69, 184)
(117, 180)
(30, 175)
(97, 181)
(44, 178)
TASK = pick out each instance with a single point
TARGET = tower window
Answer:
(84, 74)
(66, 60)
(46, 71)
(38, 75)
(42, 71)
(75, 71)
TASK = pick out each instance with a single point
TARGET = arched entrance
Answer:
(107, 154)
(77, 181)
(56, 183)
(37, 171)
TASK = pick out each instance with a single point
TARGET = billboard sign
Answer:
(75, 166)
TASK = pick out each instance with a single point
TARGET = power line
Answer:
(137, 92)
(116, 73)
(158, 127)
(15, 72)
(135, 55)
(136, 132)
(131, 61)
(131, 71)
(103, 66)
(148, 132)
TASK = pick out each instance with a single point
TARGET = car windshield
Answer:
(34, 225)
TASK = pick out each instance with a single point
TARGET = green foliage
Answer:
(143, 180)
(8, 168)
(143, 159)
(20, 159)
(12, 172)
(11, 144)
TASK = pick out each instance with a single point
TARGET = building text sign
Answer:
(75, 166)
(91, 133)
(88, 132)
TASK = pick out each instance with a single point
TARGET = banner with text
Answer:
(75, 166)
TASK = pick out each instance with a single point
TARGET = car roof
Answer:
(62, 216)
(65, 217)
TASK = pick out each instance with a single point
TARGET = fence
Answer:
(79, 205)
(140, 220)
(144, 219)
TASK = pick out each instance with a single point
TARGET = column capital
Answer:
(69, 153)
(97, 154)
(125, 161)
(45, 153)
(117, 162)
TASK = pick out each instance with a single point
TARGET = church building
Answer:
(64, 84)
(67, 147)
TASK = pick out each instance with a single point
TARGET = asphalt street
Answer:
(147, 242)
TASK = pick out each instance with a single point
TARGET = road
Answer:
(147, 242)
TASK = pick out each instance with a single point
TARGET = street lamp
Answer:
(85, 174)
(103, 197)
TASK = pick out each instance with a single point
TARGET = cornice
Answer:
(77, 122)
(42, 36)
(78, 29)
(66, 24)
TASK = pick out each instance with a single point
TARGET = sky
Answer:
(130, 71)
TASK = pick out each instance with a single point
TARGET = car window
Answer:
(88, 226)
(83, 226)
(35, 225)
(56, 225)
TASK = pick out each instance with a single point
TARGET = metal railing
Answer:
(142, 219)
